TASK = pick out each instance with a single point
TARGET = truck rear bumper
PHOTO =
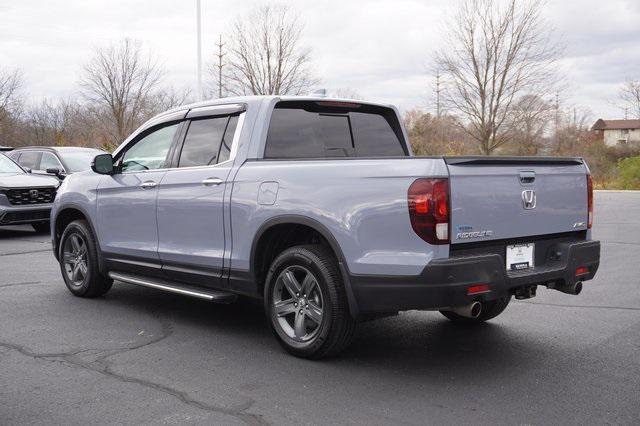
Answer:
(445, 283)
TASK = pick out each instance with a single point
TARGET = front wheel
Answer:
(306, 302)
(79, 261)
(489, 310)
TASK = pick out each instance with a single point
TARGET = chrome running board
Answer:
(169, 286)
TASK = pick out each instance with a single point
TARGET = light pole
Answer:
(199, 29)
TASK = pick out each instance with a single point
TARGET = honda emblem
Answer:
(529, 199)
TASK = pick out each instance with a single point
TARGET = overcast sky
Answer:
(381, 49)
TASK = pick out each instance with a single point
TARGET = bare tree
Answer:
(120, 82)
(630, 96)
(345, 92)
(10, 105)
(433, 135)
(528, 121)
(266, 56)
(495, 54)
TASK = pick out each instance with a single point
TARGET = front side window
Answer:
(150, 152)
(333, 129)
(49, 161)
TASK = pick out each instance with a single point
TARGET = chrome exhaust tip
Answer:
(471, 310)
(574, 288)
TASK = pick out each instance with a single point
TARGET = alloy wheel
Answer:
(74, 257)
(297, 304)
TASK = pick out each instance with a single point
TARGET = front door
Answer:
(191, 203)
(127, 225)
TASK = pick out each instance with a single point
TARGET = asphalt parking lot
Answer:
(142, 356)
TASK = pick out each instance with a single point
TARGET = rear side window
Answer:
(208, 141)
(30, 159)
(374, 137)
(333, 129)
(49, 161)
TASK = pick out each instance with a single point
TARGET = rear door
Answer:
(493, 198)
(191, 200)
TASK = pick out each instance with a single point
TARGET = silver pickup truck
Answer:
(318, 207)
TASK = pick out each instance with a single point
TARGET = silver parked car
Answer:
(25, 198)
(57, 161)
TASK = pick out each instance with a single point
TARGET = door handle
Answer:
(212, 182)
(148, 184)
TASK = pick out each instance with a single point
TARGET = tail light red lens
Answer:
(428, 201)
(478, 289)
(589, 201)
(582, 270)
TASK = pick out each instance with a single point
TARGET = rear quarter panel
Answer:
(362, 202)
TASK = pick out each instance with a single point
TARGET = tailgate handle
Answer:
(527, 176)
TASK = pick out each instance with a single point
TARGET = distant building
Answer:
(618, 132)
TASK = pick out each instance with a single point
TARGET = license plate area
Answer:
(520, 256)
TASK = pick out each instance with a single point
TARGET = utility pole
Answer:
(220, 65)
(199, 30)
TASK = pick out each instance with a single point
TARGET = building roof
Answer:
(616, 124)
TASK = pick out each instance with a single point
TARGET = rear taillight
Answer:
(429, 209)
(589, 201)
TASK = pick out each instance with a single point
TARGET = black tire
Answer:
(490, 310)
(92, 283)
(334, 331)
(41, 227)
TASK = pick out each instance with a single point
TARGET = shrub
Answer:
(629, 173)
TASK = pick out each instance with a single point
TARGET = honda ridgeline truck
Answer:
(318, 207)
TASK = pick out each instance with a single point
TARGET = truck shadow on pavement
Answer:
(415, 342)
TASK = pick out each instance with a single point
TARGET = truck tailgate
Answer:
(512, 197)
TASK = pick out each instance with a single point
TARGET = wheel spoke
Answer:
(67, 257)
(83, 269)
(291, 283)
(299, 327)
(315, 312)
(284, 307)
(307, 285)
(75, 272)
(75, 243)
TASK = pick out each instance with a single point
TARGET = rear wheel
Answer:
(41, 227)
(489, 310)
(306, 303)
(79, 261)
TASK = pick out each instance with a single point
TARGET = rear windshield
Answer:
(333, 129)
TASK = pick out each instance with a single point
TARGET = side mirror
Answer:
(54, 171)
(103, 164)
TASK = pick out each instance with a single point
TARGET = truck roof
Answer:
(259, 98)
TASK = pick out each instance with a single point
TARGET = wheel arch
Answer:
(64, 217)
(263, 237)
